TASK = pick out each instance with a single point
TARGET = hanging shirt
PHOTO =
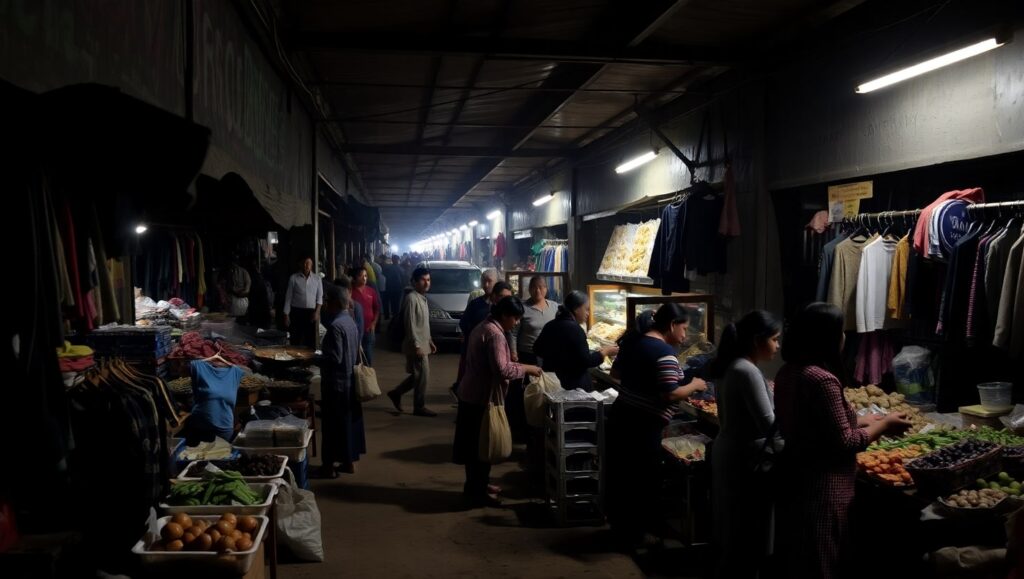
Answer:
(668, 262)
(996, 268)
(873, 284)
(705, 249)
(845, 270)
(828, 255)
(976, 195)
(499, 246)
(1008, 310)
(215, 391)
(898, 281)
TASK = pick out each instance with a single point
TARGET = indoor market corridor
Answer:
(400, 515)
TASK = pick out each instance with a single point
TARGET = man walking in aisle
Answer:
(302, 302)
(417, 345)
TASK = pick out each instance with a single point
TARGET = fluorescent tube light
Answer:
(929, 65)
(494, 214)
(542, 200)
(474, 223)
(636, 162)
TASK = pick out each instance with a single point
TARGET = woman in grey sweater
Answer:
(741, 499)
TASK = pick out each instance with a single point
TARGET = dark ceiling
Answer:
(444, 104)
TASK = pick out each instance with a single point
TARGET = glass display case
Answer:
(558, 283)
(611, 305)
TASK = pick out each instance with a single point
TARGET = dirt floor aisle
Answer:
(400, 515)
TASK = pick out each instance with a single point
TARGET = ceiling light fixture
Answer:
(636, 162)
(494, 214)
(474, 223)
(464, 227)
(140, 229)
(542, 200)
(930, 65)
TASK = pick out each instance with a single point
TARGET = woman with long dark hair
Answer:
(649, 390)
(562, 344)
(823, 436)
(741, 499)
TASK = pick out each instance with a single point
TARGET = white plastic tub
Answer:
(249, 479)
(996, 396)
(201, 563)
(294, 453)
(267, 490)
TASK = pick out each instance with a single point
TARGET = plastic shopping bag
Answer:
(534, 399)
(298, 521)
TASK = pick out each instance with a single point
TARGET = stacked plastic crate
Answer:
(574, 442)
(145, 347)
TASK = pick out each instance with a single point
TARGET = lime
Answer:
(994, 486)
(1003, 476)
(981, 483)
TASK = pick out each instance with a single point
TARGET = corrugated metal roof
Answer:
(447, 104)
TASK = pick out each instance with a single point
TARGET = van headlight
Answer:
(438, 314)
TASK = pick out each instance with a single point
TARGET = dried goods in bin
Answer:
(246, 465)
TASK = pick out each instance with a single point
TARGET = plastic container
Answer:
(294, 453)
(290, 431)
(996, 396)
(267, 490)
(250, 479)
(260, 432)
(202, 563)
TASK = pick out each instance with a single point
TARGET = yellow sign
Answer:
(844, 200)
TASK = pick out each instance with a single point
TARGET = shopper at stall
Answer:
(344, 436)
(343, 281)
(369, 299)
(742, 499)
(537, 312)
(489, 368)
(396, 283)
(651, 385)
(417, 345)
(823, 436)
(562, 344)
(477, 310)
(302, 302)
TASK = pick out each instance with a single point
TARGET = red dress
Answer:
(818, 473)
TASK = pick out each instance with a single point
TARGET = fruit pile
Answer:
(955, 455)
(887, 465)
(986, 498)
(1003, 483)
(229, 533)
(864, 397)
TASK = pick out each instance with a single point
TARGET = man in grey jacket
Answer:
(417, 345)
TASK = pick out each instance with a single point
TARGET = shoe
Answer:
(396, 399)
(424, 412)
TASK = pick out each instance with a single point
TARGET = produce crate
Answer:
(294, 453)
(1013, 461)
(573, 436)
(573, 412)
(267, 490)
(250, 479)
(567, 486)
(945, 481)
(576, 511)
(584, 460)
(200, 563)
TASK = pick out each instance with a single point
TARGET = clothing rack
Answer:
(998, 207)
(554, 241)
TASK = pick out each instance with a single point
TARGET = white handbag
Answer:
(366, 379)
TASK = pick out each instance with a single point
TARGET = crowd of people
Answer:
(783, 462)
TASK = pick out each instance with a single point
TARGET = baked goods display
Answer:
(607, 332)
(629, 249)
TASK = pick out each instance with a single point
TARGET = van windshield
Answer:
(454, 281)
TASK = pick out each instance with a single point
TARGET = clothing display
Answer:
(688, 242)
(553, 255)
(873, 284)
(215, 390)
(921, 231)
(842, 290)
(897, 293)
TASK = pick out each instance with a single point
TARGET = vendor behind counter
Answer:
(215, 390)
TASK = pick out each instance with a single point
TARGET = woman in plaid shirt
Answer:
(823, 436)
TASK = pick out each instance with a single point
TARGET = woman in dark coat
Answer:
(823, 436)
(344, 435)
(562, 344)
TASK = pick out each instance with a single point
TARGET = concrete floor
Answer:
(400, 514)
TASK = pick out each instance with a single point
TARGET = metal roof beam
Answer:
(451, 151)
(514, 49)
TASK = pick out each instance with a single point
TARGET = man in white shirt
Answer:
(302, 303)
(416, 344)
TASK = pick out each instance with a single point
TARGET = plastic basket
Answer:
(268, 490)
(202, 563)
(944, 481)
